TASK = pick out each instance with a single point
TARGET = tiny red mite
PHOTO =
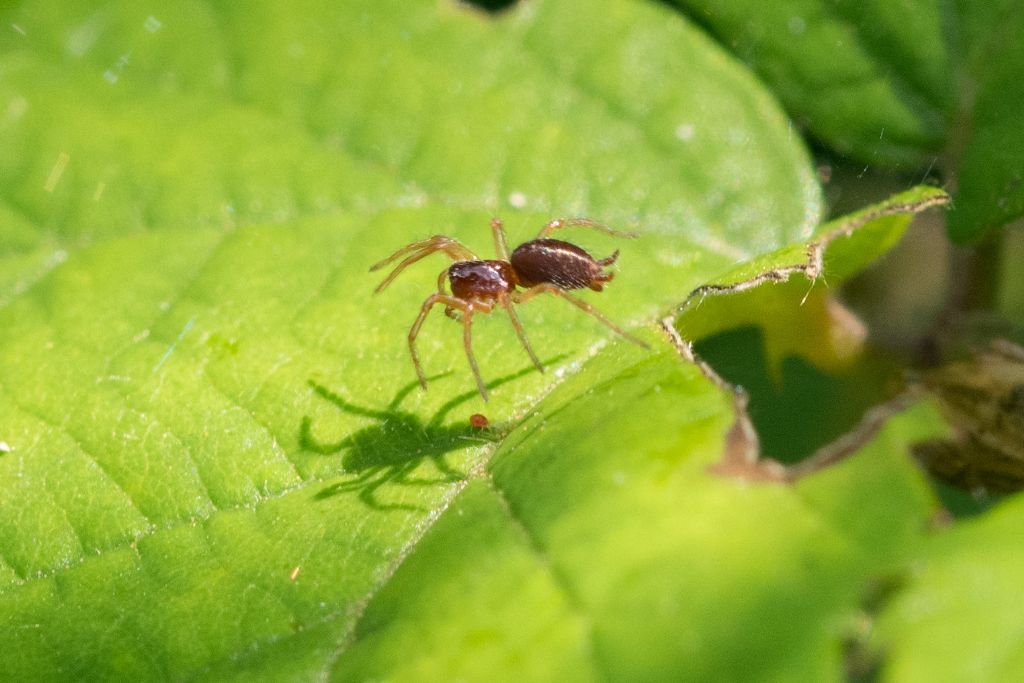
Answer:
(540, 266)
(478, 421)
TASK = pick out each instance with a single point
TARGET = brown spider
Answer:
(540, 266)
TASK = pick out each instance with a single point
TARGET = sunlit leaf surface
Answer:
(214, 460)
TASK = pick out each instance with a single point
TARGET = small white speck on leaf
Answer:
(517, 200)
(113, 378)
(5, 447)
(685, 131)
(797, 25)
(112, 74)
(738, 136)
(57, 171)
(17, 108)
(152, 24)
(58, 257)
(81, 38)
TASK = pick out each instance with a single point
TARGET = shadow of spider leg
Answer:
(393, 447)
(398, 441)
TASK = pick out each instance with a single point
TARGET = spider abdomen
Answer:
(481, 280)
(558, 263)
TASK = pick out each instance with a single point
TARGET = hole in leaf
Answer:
(796, 408)
(961, 504)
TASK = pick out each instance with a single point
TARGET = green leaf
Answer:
(615, 555)
(213, 455)
(216, 462)
(872, 79)
(991, 175)
(957, 621)
(913, 86)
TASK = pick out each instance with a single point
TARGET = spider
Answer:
(540, 266)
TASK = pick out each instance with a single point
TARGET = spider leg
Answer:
(560, 223)
(507, 303)
(608, 260)
(431, 301)
(467, 341)
(454, 249)
(467, 309)
(448, 311)
(548, 288)
(440, 280)
(500, 244)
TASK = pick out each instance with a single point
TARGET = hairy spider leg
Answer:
(467, 309)
(429, 303)
(467, 341)
(500, 243)
(454, 249)
(548, 288)
(560, 223)
(520, 332)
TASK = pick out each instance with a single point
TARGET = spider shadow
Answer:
(393, 448)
